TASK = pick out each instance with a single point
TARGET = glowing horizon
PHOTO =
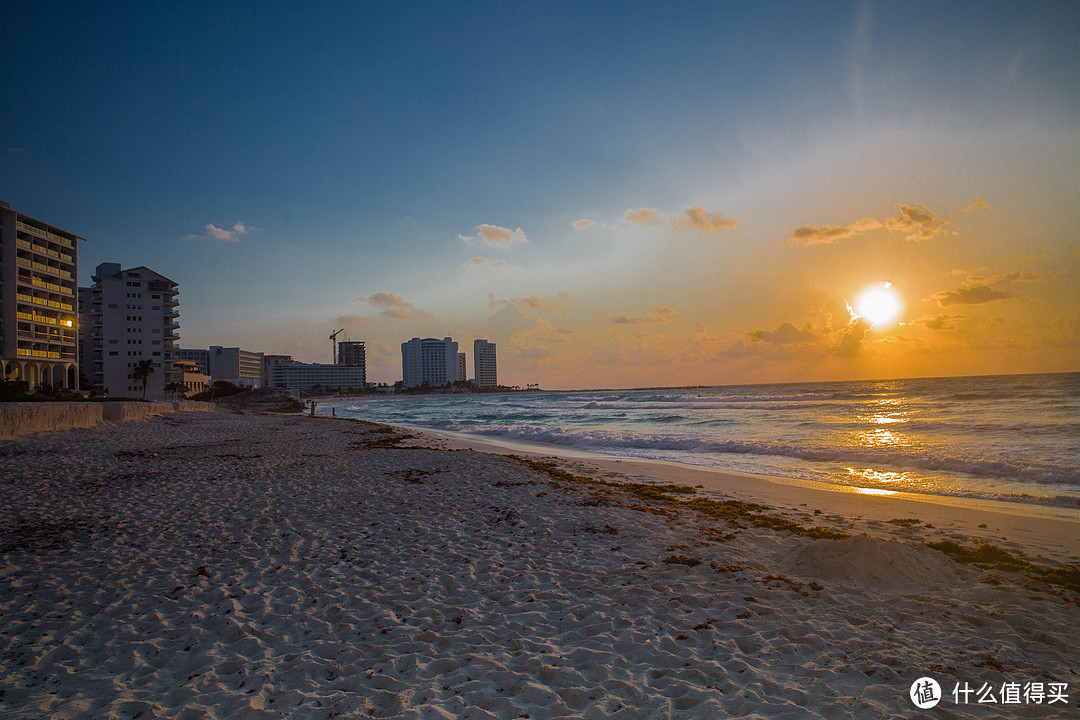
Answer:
(703, 208)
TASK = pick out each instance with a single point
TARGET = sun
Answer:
(879, 304)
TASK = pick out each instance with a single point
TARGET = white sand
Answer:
(221, 566)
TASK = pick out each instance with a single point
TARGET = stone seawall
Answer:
(23, 418)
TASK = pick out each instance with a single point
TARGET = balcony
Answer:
(32, 230)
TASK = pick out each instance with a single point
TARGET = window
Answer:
(113, 353)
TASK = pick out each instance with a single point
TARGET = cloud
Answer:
(535, 303)
(381, 299)
(976, 204)
(213, 232)
(399, 314)
(659, 314)
(353, 321)
(644, 216)
(783, 335)
(917, 221)
(582, 224)
(941, 323)
(396, 308)
(495, 235)
(807, 235)
(709, 223)
(1016, 276)
(635, 351)
(974, 295)
(472, 262)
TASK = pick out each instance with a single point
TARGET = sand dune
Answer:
(239, 566)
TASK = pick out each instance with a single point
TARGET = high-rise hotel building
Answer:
(430, 361)
(130, 316)
(38, 301)
(484, 363)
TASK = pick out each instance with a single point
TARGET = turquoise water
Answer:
(1013, 438)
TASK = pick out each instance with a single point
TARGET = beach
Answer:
(227, 565)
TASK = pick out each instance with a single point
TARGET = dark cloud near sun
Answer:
(973, 295)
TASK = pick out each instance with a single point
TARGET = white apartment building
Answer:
(133, 317)
(269, 363)
(430, 361)
(484, 363)
(301, 377)
(239, 367)
(38, 301)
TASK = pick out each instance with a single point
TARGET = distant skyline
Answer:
(617, 194)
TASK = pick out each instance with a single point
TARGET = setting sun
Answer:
(879, 304)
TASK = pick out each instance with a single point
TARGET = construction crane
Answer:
(333, 339)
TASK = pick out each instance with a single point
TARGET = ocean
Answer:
(1013, 438)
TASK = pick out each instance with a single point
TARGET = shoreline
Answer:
(1046, 532)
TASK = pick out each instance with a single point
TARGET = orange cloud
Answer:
(659, 314)
(353, 320)
(1017, 276)
(582, 224)
(643, 216)
(941, 323)
(974, 295)
(783, 335)
(917, 221)
(481, 261)
(976, 204)
(709, 223)
(807, 235)
(535, 303)
(396, 308)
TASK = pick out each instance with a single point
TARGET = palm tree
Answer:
(143, 371)
(175, 388)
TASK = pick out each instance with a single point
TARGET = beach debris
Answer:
(682, 560)
(991, 557)
(905, 522)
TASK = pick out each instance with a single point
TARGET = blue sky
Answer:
(286, 165)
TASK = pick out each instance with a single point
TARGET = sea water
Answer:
(1014, 438)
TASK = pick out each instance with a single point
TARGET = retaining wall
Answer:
(19, 418)
(24, 418)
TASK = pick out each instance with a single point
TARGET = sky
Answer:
(618, 194)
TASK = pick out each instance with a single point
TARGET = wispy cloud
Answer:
(394, 307)
(476, 261)
(709, 223)
(974, 295)
(917, 221)
(659, 314)
(783, 335)
(353, 321)
(807, 235)
(495, 235)
(940, 323)
(644, 216)
(1012, 276)
(976, 204)
(535, 303)
(213, 232)
(582, 224)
